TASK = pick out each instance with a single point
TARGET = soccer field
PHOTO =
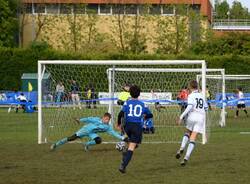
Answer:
(225, 159)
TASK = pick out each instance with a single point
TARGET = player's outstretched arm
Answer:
(115, 134)
(187, 110)
(148, 114)
(93, 120)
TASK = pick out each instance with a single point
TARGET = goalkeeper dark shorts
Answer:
(241, 106)
(134, 132)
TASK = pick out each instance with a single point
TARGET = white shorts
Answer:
(195, 123)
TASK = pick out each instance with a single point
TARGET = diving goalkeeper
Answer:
(93, 126)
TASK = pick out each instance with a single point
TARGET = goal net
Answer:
(161, 87)
(100, 82)
(233, 82)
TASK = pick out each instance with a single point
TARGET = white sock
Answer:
(190, 148)
(184, 141)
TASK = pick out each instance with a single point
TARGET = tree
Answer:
(231, 43)
(23, 21)
(128, 32)
(238, 11)
(173, 33)
(221, 9)
(8, 24)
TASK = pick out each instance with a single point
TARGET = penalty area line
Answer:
(245, 133)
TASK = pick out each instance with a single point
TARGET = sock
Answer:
(190, 148)
(61, 142)
(184, 141)
(237, 113)
(245, 111)
(127, 157)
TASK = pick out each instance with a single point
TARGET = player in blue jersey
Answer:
(134, 112)
(93, 126)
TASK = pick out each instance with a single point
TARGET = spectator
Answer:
(59, 92)
(75, 90)
(90, 96)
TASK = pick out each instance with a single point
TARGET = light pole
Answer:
(228, 17)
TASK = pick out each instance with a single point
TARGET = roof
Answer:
(34, 76)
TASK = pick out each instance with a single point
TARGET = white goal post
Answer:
(53, 115)
(231, 83)
(213, 79)
(215, 117)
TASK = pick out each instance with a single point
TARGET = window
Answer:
(105, 9)
(167, 10)
(181, 10)
(39, 8)
(92, 8)
(143, 9)
(27, 8)
(52, 8)
(196, 8)
(155, 9)
(118, 9)
(79, 8)
(65, 9)
(130, 9)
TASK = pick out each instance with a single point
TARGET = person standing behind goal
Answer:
(241, 103)
(75, 94)
(195, 111)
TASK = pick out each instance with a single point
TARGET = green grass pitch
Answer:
(225, 159)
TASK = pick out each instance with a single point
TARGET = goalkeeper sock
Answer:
(190, 148)
(184, 142)
(61, 142)
(245, 111)
(127, 157)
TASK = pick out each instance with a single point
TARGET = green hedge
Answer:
(15, 62)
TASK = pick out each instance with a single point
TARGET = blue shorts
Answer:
(134, 132)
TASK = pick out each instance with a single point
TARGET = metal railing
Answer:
(231, 24)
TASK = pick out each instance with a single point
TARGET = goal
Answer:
(166, 92)
(104, 80)
(231, 83)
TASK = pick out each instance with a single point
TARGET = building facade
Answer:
(50, 20)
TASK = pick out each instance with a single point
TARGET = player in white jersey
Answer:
(195, 111)
(22, 100)
(240, 103)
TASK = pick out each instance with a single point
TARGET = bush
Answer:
(232, 44)
(15, 62)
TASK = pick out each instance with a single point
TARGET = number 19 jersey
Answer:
(134, 111)
(196, 114)
(199, 105)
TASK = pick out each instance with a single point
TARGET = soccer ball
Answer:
(120, 146)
